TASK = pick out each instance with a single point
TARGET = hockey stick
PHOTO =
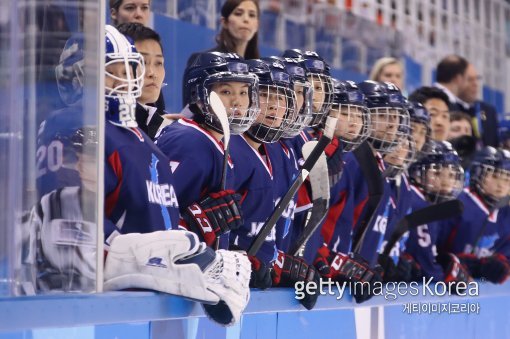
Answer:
(219, 110)
(319, 183)
(374, 180)
(445, 210)
(329, 130)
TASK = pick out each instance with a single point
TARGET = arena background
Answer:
(351, 35)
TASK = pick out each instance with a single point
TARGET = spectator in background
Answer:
(451, 79)
(388, 69)
(461, 137)
(436, 103)
(239, 31)
(484, 116)
(122, 11)
(148, 44)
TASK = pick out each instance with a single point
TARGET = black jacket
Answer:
(488, 117)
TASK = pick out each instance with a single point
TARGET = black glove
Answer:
(454, 270)
(260, 274)
(288, 270)
(351, 268)
(494, 268)
(388, 266)
(408, 269)
(216, 214)
(334, 159)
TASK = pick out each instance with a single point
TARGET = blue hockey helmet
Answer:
(318, 74)
(212, 70)
(277, 100)
(386, 105)
(438, 171)
(304, 95)
(124, 71)
(490, 164)
(348, 106)
(69, 71)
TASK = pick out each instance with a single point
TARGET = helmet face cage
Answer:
(69, 71)
(304, 93)
(493, 183)
(131, 84)
(401, 157)
(385, 133)
(352, 126)
(322, 97)
(277, 113)
(126, 80)
(242, 108)
(440, 182)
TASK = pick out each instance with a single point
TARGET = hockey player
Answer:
(348, 218)
(55, 156)
(348, 106)
(436, 176)
(420, 124)
(263, 171)
(480, 237)
(139, 199)
(194, 146)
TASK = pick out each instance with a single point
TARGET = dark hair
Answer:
(225, 40)
(139, 32)
(115, 4)
(459, 115)
(449, 67)
(425, 93)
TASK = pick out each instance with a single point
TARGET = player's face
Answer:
(350, 121)
(319, 92)
(439, 118)
(234, 96)
(385, 124)
(273, 106)
(243, 22)
(469, 92)
(442, 180)
(154, 70)
(87, 169)
(300, 96)
(119, 75)
(460, 128)
(132, 11)
(497, 184)
(392, 73)
(419, 134)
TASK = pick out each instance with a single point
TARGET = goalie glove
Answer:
(494, 268)
(288, 270)
(216, 214)
(175, 262)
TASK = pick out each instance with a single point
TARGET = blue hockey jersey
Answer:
(139, 187)
(478, 229)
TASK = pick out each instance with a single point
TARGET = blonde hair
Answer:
(376, 71)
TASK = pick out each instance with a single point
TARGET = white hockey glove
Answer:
(175, 262)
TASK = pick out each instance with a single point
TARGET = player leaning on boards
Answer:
(195, 147)
(480, 237)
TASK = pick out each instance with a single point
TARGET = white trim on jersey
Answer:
(493, 216)
(210, 137)
(267, 164)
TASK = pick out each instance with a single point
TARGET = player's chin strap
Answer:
(175, 262)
